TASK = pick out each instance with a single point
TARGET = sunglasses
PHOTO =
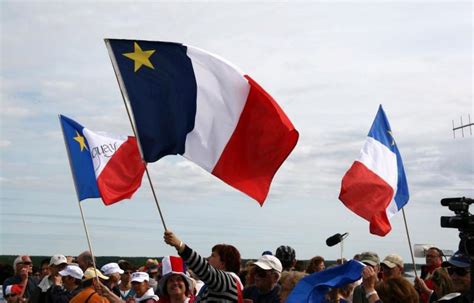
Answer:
(458, 271)
(262, 273)
(26, 263)
(10, 296)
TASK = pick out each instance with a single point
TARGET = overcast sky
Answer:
(329, 66)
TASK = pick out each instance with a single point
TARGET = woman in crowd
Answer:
(175, 285)
(219, 272)
(288, 281)
(316, 264)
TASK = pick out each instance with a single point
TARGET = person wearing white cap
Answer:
(268, 270)
(392, 266)
(71, 284)
(41, 293)
(219, 272)
(113, 271)
(175, 285)
(143, 292)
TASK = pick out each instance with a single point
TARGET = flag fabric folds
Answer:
(313, 288)
(190, 102)
(102, 166)
(375, 186)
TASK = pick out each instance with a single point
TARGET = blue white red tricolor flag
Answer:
(313, 288)
(375, 187)
(190, 102)
(102, 166)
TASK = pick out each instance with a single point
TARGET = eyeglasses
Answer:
(458, 271)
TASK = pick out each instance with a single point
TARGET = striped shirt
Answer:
(221, 286)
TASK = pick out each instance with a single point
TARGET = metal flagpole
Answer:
(132, 124)
(409, 242)
(79, 202)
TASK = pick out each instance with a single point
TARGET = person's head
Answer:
(316, 264)
(21, 262)
(434, 257)
(371, 259)
(128, 269)
(71, 276)
(12, 293)
(174, 282)
(267, 273)
(287, 256)
(459, 271)
(397, 290)
(225, 257)
(113, 271)
(89, 278)
(44, 268)
(288, 281)
(85, 260)
(57, 263)
(442, 283)
(392, 266)
(140, 283)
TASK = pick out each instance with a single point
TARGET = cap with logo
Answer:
(140, 277)
(57, 260)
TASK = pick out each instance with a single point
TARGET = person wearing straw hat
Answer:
(90, 281)
(175, 285)
(219, 272)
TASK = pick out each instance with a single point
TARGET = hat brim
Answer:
(164, 280)
(263, 265)
(370, 262)
(459, 263)
(389, 264)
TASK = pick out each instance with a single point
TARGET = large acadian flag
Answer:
(190, 102)
(313, 288)
(375, 187)
(102, 166)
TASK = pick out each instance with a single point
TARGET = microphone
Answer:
(333, 240)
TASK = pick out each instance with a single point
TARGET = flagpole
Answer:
(79, 202)
(409, 242)
(132, 124)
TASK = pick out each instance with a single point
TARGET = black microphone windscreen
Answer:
(333, 240)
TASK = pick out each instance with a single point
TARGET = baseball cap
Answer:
(111, 268)
(393, 260)
(172, 265)
(72, 271)
(140, 276)
(370, 258)
(268, 262)
(92, 272)
(57, 260)
(285, 253)
(459, 260)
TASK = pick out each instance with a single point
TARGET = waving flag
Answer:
(313, 288)
(375, 187)
(102, 166)
(187, 101)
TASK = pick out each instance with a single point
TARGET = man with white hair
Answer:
(267, 274)
(23, 275)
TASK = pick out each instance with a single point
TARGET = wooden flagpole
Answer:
(126, 102)
(409, 242)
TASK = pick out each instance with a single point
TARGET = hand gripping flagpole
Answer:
(409, 242)
(126, 102)
(80, 205)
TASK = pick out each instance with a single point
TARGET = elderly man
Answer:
(267, 273)
(143, 292)
(392, 267)
(23, 275)
(372, 260)
(434, 259)
(41, 293)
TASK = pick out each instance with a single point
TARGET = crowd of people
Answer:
(189, 278)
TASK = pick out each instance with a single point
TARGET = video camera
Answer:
(463, 221)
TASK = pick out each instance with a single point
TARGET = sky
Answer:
(328, 64)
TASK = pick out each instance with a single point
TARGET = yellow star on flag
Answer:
(140, 57)
(81, 140)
